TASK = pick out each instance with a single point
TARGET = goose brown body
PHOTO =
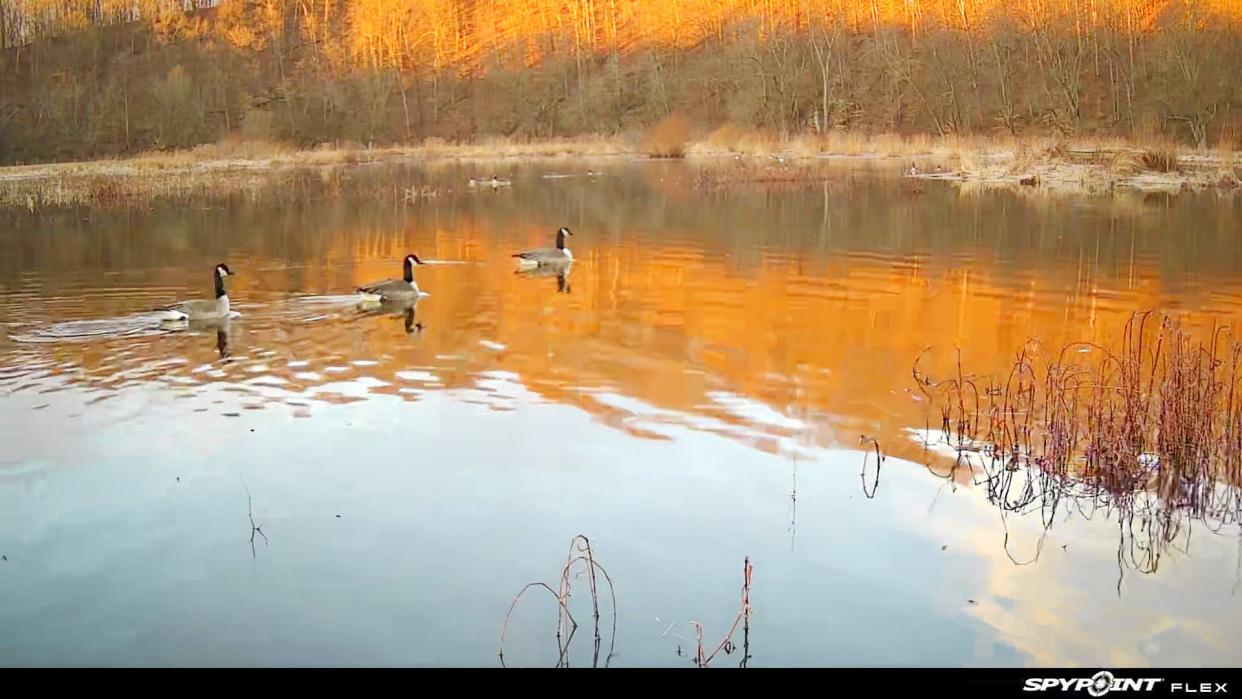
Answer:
(402, 289)
(203, 309)
(547, 256)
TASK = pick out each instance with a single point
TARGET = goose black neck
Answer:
(408, 268)
(560, 240)
(219, 285)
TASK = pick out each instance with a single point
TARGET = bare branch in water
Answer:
(702, 658)
(254, 528)
(793, 507)
(879, 460)
(580, 561)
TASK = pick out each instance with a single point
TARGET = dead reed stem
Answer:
(1149, 430)
(579, 561)
(879, 461)
(254, 528)
(702, 658)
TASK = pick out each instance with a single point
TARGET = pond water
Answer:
(318, 484)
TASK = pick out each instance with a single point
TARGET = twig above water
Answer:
(793, 507)
(580, 554)
(703, 658)
(879, 461)
(254, 528)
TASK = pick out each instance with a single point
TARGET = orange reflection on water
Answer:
(757, 337)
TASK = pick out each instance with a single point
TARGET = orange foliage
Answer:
(459, 33)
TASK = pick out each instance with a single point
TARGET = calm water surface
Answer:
(690, 393)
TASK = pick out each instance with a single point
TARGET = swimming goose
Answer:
(201, 309)
(547, 256)
(495, 183)
(403, 289)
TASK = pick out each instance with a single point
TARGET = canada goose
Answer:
(914, 171)
(547, 256)
(201, 309)
(495, 182)
(394, 289)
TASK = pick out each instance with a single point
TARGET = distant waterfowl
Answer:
(202, 309)
(495, 182)
(914, 171)
(403, 289)
(547, 256)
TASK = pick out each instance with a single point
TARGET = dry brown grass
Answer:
(225, 150)
(1149, 427)
(731, 139)
(249, 165)
(1161, 160)
(765, 173)
(667, 138)
(1077, 165)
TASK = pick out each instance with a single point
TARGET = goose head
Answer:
(408, 266)
(222, 271)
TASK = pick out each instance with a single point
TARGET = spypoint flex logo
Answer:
(1103, 682)
(1097, 685)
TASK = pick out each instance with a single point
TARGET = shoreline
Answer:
(1034, 164)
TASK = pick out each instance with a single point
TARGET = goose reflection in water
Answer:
(222, 341)
(560, 271)
(404, 309)
(221, 326)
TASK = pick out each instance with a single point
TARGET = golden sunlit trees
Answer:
(92, 77)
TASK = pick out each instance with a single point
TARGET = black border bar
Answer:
(1033, 683)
